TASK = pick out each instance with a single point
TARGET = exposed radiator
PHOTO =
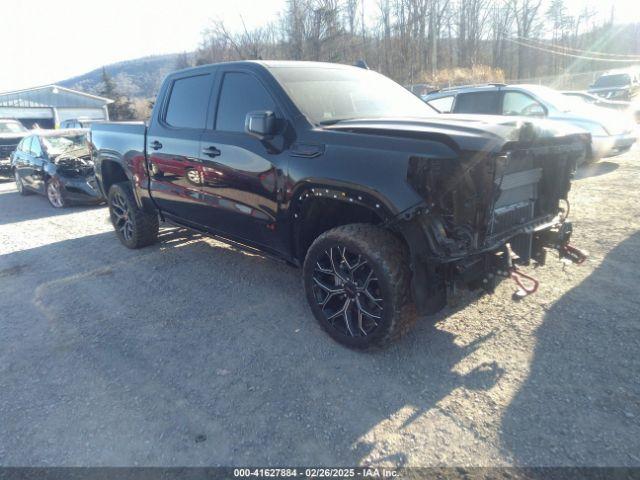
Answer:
(516, 207)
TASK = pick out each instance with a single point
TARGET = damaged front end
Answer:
(484, 213)
(76, 174)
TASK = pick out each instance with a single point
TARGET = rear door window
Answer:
(487, 103)
(188, 102)
(241, 93)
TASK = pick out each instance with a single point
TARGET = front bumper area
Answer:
(612, 145)
(435, 277)
(81, 190)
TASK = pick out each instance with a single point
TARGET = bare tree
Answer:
(416, 39)
(501, 22)
(525, 13)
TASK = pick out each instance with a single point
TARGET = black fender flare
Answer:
(352, 194)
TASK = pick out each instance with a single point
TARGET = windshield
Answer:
(557, 100)
(328, 95)
(12, 127)
(619, 80)
(58, 145)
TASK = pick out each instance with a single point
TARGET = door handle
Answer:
(211, 151)
(156, 145)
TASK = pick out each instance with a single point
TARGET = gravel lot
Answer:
(192, 353)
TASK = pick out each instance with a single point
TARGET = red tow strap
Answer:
(574, 254)
(523, 288)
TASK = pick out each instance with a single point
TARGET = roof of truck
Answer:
(270, 64)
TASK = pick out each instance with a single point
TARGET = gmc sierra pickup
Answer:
(386, 206)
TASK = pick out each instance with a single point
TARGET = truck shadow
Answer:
(190, 340)
(581, 401)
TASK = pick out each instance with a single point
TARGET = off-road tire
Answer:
(144, 226)
(389, 259)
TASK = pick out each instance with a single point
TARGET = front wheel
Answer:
(54, 193)
(135, 228)
(19, 183)
(357, 282)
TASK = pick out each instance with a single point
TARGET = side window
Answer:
(442, 104)
(26, 147)
(23, 146)
(36, 148)
(189, 97)
(241, 93)
(478, 102)
(518, 103)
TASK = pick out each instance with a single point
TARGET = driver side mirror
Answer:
(260, 124)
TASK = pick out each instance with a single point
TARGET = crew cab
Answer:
(386, 205)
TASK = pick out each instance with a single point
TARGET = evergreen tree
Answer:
(107, 87)
(182, 61)
(121, 108)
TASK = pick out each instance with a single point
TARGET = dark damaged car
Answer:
(386, 206)
(11, 133)
(57, 164)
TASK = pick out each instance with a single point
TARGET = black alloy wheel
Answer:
(347, 291)
(121, 216)
(135, 228)
(357, 280)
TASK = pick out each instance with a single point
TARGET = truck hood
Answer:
(486, 133)
(610, 92)
(608, 89)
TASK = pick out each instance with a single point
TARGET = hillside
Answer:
(138, 78)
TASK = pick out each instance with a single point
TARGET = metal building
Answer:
(49, 105)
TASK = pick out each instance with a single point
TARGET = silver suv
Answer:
(612, 132)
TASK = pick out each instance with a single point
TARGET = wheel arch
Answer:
(111, 171)
(317, 207)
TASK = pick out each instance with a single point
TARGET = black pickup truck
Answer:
(385, 205)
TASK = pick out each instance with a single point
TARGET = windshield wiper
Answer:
(336, 120)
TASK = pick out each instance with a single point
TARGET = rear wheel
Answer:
(135, 228)
(357, 281)
(54, 193)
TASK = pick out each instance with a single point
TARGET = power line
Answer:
(577, 50)
(564, 54)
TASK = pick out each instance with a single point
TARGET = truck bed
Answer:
(121, 142)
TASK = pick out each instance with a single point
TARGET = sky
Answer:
(44, 41)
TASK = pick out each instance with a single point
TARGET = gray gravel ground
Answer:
(192, 353)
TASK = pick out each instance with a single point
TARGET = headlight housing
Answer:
(619, 93)
(595, 129)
